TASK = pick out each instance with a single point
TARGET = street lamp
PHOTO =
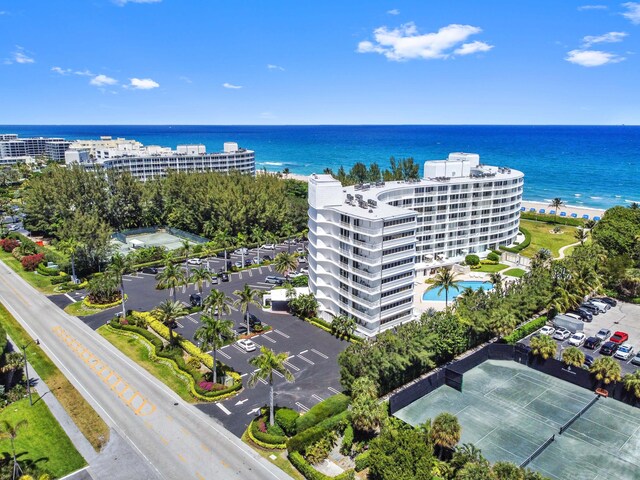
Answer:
(26, 367)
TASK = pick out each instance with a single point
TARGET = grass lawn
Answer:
(42, 441)
(137, 351)
(84, 416)
(515, 272)
(541, 237)
(40, 282)
(491, 268)
(281, 461)
(79, 309)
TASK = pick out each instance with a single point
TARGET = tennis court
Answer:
(157, 238)
(508, 410)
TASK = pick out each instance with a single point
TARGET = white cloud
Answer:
(143, 83)
(61, 71)
(395, 11)
(592, 7)
(270, 66)
(633, 12)
(122, 3)
(611, 37)
(592, 58)
(405, 43)
(102, 80)
(473, 47)
(231, 86)
(185, 79)
(84, 73)
(19, 56)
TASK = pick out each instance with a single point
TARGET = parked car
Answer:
(624, 352)
(224, 277)
(603, 334)
(577, 339)
(238, 264)
(547, 330)
(275, 280)
(291, 241)
(241, 251)
(266, 258)
(590, 308)
(561, 333)
(294, 275)
(301, 250)
(619, 337)
(149, 270)
(573, 315)
(241, 330)
(194, 261)
(256, 260)
(609, 348)
(220, 254)
(195, 299)
(611, 301)
(636, 360)
(588, 361)
(584, 315)
(14, 227)
(248, 262)
(604, 307)
(253, 320)
(592, 343)
(304, 270)
(214, 279)
(302, 259)
(247, 345)
(268, 246)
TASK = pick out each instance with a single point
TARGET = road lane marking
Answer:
(199, 477)
(223, 408)
(302, 407)
(306, 359)
(70, 297)
(182, 459)
(280, 333)
(331, 389)
(319, 353)
(163, 440)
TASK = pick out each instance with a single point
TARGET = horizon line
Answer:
(317, 125)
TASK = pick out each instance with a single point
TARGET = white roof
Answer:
(280, 294)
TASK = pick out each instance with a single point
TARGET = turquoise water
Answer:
(586, 166)
(432, 294)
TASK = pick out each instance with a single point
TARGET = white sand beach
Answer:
(569, 209)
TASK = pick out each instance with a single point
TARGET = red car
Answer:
(619, 337)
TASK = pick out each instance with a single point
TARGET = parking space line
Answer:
(331, 389)
(319, 353)
(291, 365)
(244, 375)
(127, 279)
(260, 270)
(223, 408)
(305, 359)
(303, 351)
(275, 330)
(239, 349)
(260, 286)
(70, 297)
(192, 319)
(251, 272)
(262, 380)
(317, 397)
(223, 354)
(268, 338)
(278, 374)
(179, 324)
(302, 407)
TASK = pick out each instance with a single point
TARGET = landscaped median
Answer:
(182, 360)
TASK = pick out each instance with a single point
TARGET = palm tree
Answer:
(544, 346)
(542, 258)
(199, 276)
(573, 357)
(247, 296)
(285, 172)
(446, 280)
(343, 326)
(581, 235)
(288, 231)
(223, 240)
(211, 334)
(284, 263)
(496, 279)
(11, 432)
(242, 243)
(556, 203)
(632, 383)
(445, 432)
(120, 265)
(167, 312)
(13, 362)
(171, 277)
(266, 363)
(562, 299)
(186, 249)
(69, 246)
(217, 301)
(258, 236)
(606, 369)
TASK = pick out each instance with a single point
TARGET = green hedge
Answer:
(3, 340)
(310, 473)
(312, 435)
(287, 418)
(347, 440)
(526, 329)
(47, 272)
(274, 441)
(59, 279)
(362, 461)
(543, 217)
(325, 409)
(518, 248)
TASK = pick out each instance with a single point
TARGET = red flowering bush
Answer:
(8, 244)
(31, 262)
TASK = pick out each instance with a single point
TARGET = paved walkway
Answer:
(562, 250)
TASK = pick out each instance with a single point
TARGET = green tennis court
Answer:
(508, 410)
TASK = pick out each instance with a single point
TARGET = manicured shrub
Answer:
(319, 451)
(493, 257)
(362, 461)
(8, 244)
(286, 418)
(303, 439)
(310, 473)
(48, 272)
(347, 440)
(472, 260)
(526, 329)
(325, 409)
(259, 431)
(31, 262)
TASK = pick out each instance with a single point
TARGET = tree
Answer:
(445, 280)
(367, 414)
(223, 240)
(218, 302)
(573, 357)
(497, 281)
(7, 430)
(632, 383)
(103, 288)
(343, 326)
(358, 173)
(544, 346)
(211, 334)
(168, 312)
(171, 277)
(69, 246)
(246, 297)
(606, 370)
(186, 249)
(266, 363)
(118, 267)
(556, 204)
(258, 236)
(445, 432)
(285, 263)
(288, 230)
(502, 321)
(14, 361)
(303, 306)
(507, 471)
(199, 276)
(581, 235)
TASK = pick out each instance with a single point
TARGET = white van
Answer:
(603, 307)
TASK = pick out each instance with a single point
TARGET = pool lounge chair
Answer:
(597, 219)
(552, 212)
(532, 210)
(542, 210)
(563, 214)
(522, 209)
(585, 216)
(574, 215)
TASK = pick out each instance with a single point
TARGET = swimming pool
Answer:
(432, 295)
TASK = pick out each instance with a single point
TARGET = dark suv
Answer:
(610, 301)
(585, 315)
(592, 343)
(609, 348)
(195, 299)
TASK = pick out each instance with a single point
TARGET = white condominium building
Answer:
(14, 149)
(153, 161)
(369, 242)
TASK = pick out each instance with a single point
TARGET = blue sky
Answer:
(330, 62)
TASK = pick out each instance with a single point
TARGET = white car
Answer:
(268, 246)
(301, 250)
(547, 330)
(304, 271)
(624, 352)
(577, 339)
(561, 333)
(241, 251)
(246, 345)
(194, 261)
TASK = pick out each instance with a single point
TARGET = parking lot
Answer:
(312, 352)
(624, 317)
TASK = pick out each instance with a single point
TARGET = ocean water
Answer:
(589, 166)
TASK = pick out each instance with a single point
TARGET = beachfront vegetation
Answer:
(402, 169)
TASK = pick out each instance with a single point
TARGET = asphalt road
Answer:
(176, 439)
